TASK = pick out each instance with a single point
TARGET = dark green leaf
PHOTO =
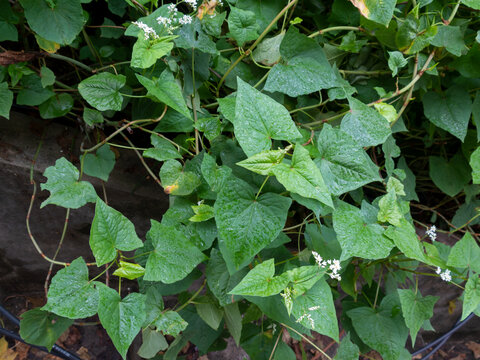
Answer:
(396, 61)
(405, 238)
(242, 25)
(465, 253)
(122, 318)
(153, 342)
(162, 149)
(170, 323)
(471, 298)
(32, 92)
(92, 116)
(449, 176)
(71, 294)
(47, 76)
(347, 349)
(214, 175)
(102, 91)
(6, 100)
(378, 11)
(173, 256)
(56, 106)
(101, 164)
(233, 319)
(177, 181)
(451, 38)
(210, 313)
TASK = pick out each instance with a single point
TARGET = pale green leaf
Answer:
(389, 209)
(111, 231)
(152, 342)
(387, 111)
(129, 271)
(261, 281)
(65, 189)
(47, 76)
(405, 238)
(170, 323)
(396, 61)
(263, 163)
(302, 278)
(177, 181)
(60, 23)
(242, 25)
(465, 253)
(71, 294)
(173, 256)
(475, 164)
(247, 224)
(344, 165)
(451, 38)
(42, 328)
(268, 51)
(379, 11)
(210, 313)
(315, 310)
(305, 68)
(203, 212)
(450, 110)
(416, 309)
(122, 318)
(259, 119)
(166, 90)
(474, 4)
(303, 177)
(102, 91)
(101, 164)
(364, 124)
(358, 237)
(162, 149)
(471, 298)
(146, 52)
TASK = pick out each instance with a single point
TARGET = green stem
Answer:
(454, 12)
(335, 28)
(378, 288)
(193, 297)
(70, 60)
(307, 340)
(126, 147)
(134, 96)
(254, 45)
(103, 272)
(261, 187)
(110, 65)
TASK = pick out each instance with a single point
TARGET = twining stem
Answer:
(193, 297)
(111, 65)
(408, 96)
(335, 28)
(119, 130)
(70, 60)
(276, 343)
(254, 45)
(261, 187)
(378, 288)
(195, 118)
(103, 272)
(142, 160)
(307, 340)
(165, 138)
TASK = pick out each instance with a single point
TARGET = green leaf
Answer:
(129, 271)
(405, 238)
(387, 111)
(60, 23)
(101, 164)
(450, 111)
(242, 25)
(233, 320)
(173, 256)
(389, 209)
(365, 124)
(451, 38)
(56, 106)
(92, 116)
(416, 309)
(214, 175)
(474, 4)
(8, 32)
(465, 253)
(396, 61)
(47, 76)
(173, 121)
(284, 352)
(176, 181)
(303, 177)
(71, 294)
(146, 52)
(268, 51)
(152, 342)
(166, 90)
(315, 310)
(111, 231)
(471, 298)
(102, 91)
(203, 212)
(191, 36)
(6, 100)
(379, 11)
(247, 224)
(467, 65)
(65, 189)
(32, 92)
(413, 35)
(380, 331)
(305, 68)
(475, 165)
(170, 323)
(42, 328)
(263, 163)
(347, 349)
(344, 165)
(351, 44)
(210, 313)
(449, 176)
(122, 318)
(259, 119)
(162, 149)
(358, 237)
(261, 281)
(210, 126)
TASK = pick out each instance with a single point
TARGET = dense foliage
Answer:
(292, 139)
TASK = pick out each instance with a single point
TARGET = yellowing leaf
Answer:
(5, 352)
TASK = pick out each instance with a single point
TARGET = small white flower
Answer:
(318, 259)
(172, 8)
(192, 3)
(164, 20)
(185, 19)
(446, 276)
(313, 308)
(439, 270)
(432, 233)
(147, 30)
(309, 318)
(287, 297)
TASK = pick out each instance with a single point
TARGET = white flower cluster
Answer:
(432, 233)
(171, 23)
(147, 30)
(445, 276)
(309, 318)
(333, 265)
(287, 297)
(192, 3)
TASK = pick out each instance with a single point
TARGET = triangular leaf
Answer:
(101, 164)
(465, 253)
(102, 91)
